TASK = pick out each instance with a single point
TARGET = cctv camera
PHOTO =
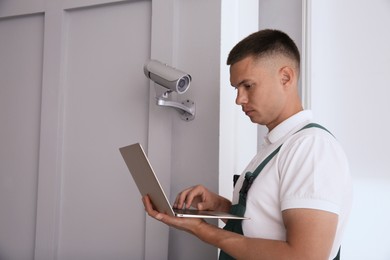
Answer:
(166, 76)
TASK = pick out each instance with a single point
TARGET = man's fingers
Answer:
(149, 206)
(155, 214)
(183, 198)
(195, 196)
(147, 203)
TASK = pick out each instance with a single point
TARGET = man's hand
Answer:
(186, 224)
(201, 198)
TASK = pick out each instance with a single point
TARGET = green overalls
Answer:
(239, 209)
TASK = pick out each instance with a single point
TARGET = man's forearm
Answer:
(309, 235)
(241, 247)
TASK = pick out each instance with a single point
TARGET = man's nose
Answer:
(242, 97)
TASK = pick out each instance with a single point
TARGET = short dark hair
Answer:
(263, 43)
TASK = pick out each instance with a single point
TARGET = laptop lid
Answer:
(144, 177)
(148, 183)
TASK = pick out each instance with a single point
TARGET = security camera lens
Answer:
(183, 84)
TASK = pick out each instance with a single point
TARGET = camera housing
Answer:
(172, 80)
(166, 76)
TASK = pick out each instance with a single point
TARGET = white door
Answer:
(20, 108)
(105, 107)
(72, 91)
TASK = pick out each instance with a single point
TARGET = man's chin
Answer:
(256, 120)
(253, 119)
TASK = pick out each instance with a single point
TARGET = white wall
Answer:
(289, 22)
(20, 106)
(237, 134)
(350, 61)
(195, 143)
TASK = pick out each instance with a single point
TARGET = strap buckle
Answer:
(249, 179)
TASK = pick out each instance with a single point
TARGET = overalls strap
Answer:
(239, 209)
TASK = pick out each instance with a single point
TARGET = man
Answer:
(299, 203)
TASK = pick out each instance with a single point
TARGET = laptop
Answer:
(148, 183)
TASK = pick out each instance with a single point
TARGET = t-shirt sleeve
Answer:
(313, 170)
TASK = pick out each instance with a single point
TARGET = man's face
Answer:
(260, 90)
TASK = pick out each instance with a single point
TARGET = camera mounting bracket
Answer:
(185, 108)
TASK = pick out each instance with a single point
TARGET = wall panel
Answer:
(106, 107)
(21, 51)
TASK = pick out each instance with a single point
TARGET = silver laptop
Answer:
(148, 183)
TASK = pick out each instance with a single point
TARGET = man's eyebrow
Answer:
(241, 83)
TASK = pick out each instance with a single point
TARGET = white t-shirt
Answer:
(310, 171)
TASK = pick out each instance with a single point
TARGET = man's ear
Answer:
(286, 75)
